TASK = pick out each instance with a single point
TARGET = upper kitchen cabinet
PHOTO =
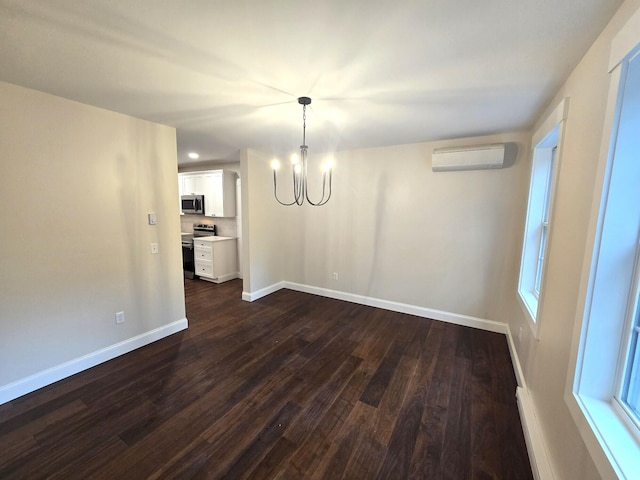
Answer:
(223, 194)
(193, 184)
(218, 188)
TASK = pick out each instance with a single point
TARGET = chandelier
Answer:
(299, 170)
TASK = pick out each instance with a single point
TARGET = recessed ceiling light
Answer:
(194, 155)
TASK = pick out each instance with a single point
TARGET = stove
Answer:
(187, 239)
(203, 230)
(188, 261)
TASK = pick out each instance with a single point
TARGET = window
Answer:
(544, 226)
(537, 229)
(630, 369)
(604, 398)
(627, 152)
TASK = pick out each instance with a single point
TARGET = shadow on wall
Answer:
(380, 219)
(510, 154)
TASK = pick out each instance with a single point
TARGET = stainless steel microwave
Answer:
(192, 204)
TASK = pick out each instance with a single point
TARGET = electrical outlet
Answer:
(154, 248)
(119, 317)
(335, 275)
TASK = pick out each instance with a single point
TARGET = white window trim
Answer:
(612, 445)
(549, 135)
(632, 421)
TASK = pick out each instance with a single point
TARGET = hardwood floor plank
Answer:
(55, 452)
(271, 464)
(456, 450)
(513, 453)
(19, 440)
(317, 407)
(312, 452)
(336, 463)
(404, 438)
(378, 383)
(92, 460)
(187, 463)
(437, 355)
(397, 460)
(263, 442)
(366, 456)
(339, 459)
(290, 386)
(416, 344)
(485, 448)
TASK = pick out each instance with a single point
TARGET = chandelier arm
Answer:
(302, 179)
(329, 196)
(296, 192)
(303, 173)
(318, 203)
(323, 199)
(300, 190)
(275, 192)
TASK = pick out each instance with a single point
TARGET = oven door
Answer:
(188, 259)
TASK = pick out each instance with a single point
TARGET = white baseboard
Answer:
(226, 278)
(263, 292)
(515, 360)
(540, 465)
(449, 317)
(52, 375)
(538, 456)
(220, 279)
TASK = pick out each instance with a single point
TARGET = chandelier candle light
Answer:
(299, 169)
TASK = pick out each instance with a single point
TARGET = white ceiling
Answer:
(227, 73)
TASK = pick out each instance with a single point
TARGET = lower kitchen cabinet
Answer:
(216, 258)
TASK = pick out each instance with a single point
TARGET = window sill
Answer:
(614, 449)
(529, 304)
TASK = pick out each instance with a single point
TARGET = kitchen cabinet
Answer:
(216, 258)
(218, 188)
(194, 185)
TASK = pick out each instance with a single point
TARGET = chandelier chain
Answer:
(304, 125)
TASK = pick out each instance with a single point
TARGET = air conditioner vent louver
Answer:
(474, 157)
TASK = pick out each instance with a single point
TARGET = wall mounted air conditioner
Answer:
(474, 157)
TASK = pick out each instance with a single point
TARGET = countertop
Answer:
(214, 238)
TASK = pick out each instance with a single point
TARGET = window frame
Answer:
(544, 226)
(624, 371)
(545, 165)
(608, 280)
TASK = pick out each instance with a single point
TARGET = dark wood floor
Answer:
(292, 386)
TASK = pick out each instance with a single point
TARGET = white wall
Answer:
(546, 361)
(394, 230)
(262, 224)
(77, 183)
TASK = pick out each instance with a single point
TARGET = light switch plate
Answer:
(154, 248)
(153, 220)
